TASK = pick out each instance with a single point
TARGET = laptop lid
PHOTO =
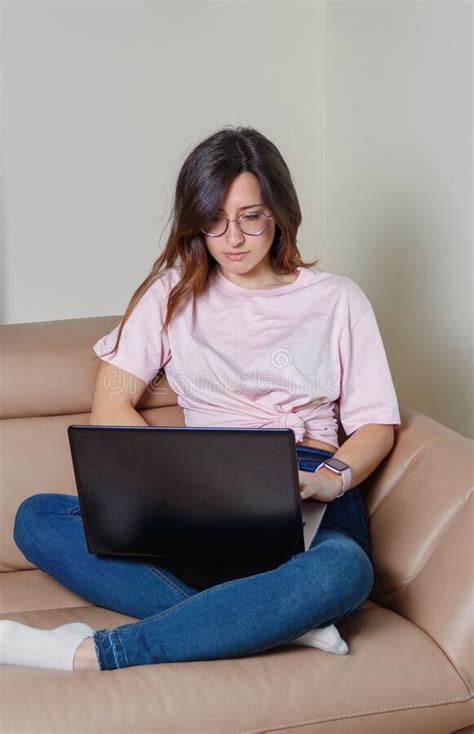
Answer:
(191, 493)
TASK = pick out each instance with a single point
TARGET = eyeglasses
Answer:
(251, 223)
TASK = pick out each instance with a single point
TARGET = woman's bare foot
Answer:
(85, 657)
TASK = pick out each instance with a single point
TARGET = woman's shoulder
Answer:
(342, 289)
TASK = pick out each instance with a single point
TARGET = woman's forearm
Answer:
(116, 415)
(365, 449)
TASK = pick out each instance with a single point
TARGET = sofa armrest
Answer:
(419, 500)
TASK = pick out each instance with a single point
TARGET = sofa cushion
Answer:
(392, 666)
(25, 591)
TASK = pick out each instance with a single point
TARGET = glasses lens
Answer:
(215, 226)
(253, 222)
(250, 223)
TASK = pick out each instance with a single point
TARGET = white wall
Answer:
(399, 187)
(369, 102)
(102, 103)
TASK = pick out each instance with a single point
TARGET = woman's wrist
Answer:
(335, 477)
(322, 485)
(345, 477)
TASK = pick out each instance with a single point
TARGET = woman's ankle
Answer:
(85, 657)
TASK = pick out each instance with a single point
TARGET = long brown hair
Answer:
(202, 183)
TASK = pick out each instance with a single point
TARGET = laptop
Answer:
(207, 503)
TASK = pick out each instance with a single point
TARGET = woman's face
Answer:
(243, 192)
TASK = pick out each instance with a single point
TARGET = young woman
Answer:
(248, 335)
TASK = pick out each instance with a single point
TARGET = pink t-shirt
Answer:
(264, 358)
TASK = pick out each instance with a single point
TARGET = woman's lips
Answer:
(235, 255)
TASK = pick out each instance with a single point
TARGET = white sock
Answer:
(326, 638)
(38, 648)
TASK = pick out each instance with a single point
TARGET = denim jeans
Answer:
(177, 622)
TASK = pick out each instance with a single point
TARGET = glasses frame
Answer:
(255, 234)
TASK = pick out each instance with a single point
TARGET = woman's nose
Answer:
(233, 235)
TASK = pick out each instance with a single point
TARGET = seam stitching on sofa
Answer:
(406, 707)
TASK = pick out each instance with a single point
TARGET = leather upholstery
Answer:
(410, 666)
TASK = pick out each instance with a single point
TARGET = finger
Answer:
(306, 492)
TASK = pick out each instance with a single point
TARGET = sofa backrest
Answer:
(418, 498)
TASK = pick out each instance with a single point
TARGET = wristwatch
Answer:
(338, 467)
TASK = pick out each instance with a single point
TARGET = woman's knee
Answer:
(33, 509)
(346, 565)
(364, 574)
(357, 569)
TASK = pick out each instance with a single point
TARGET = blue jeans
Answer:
(177, 622)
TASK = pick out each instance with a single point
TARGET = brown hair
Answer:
(202, 183)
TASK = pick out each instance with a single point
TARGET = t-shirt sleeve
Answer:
(367, 391)
(143, 348)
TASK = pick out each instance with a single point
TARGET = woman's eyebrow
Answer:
(249, 206)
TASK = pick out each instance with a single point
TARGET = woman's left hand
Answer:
(323, 485)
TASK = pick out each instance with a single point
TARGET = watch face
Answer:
(337, 464)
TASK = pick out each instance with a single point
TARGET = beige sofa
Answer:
(409, 669)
